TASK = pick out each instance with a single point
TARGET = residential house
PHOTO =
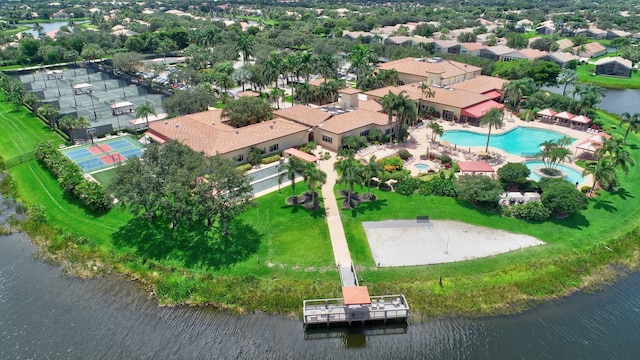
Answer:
(612, 34)
(529, 54)
(447, 46)
(591, 50)
(399, 40)
(524, 25)
(496, 53)
(614, 66)
(431, 71)
(472, 49)
(564, 44)
(359, 122)
(353, 35)
(591, 32)
(546, 28)
(561, 58)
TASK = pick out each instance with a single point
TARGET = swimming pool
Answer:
(518, 141)
(422, 167)
(572, 175)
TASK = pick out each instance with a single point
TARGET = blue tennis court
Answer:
(104, 154)
(78, 154)
(129, 153)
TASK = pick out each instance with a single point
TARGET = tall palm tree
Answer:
(492, 118)
(407, 113)
(362, 60)
(307, 63)
(144, 110)
(30, 99)
(426, 91)
(350, 174)
(244, 45)
(291, 169)
(590, 95)
(389, 103)
(327, 65)
(313, 177)
(566, 77)
(274, 67)
(633, 122)
(67, 122)
(48, 112)
(293, 67)
(370, 170)
(604, 173)
(436, 130)
(515, 90)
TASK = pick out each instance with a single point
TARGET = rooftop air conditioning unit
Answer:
(420, 60)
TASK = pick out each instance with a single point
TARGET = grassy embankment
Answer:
(290, 258)
(586, 74)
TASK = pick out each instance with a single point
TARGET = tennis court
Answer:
(104, 154)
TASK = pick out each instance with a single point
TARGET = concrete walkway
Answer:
(336, 231)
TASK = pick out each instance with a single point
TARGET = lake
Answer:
(616, 101)
(44, 315)
(56, 25)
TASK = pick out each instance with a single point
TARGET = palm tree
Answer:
(590, 95)
(307, 63)
(493, 118)
(67, 122)
(436, 130)
(144, 110)
(292, 64)
(515, 90)
(633, 122)
(327, 65)
(389, 104)
(407, 113)
(244, 45)
(426, 90)
(274, 67)
(313, 177)
(603, 172)
(30, 99)
(362, 60)
(291, 169)
(370, 170)
(566, 77)
(350, 174)
(48, 112)
(255, 156)
(242, 76)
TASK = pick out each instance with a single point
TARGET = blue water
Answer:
(573, 175)
(422, 166)
(519, 141)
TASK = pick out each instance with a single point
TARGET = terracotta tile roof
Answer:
(594, 47)
(622, 61)
(478, 110)
(499, 50)
(473, 46)
(451, 97)
(316, 82)
(481, 84)
(562, 56)
(201, 134)
(247, 94)
(370, 105)
(532, 54)
(475, 166)
(411, 90)
(303, 114)
(353, 120)
(564, 44)
(349, 90)
(411, 66)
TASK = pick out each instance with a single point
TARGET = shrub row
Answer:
(244, 167)
(69, 177)
(270, 159)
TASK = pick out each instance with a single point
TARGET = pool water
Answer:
(520, 141)
(424, 167)
(572, 175)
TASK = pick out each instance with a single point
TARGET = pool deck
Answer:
(420, 143)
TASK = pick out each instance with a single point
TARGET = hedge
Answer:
(70, 178)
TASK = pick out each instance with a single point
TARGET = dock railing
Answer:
(327, 311)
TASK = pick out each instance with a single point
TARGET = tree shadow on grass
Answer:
(195, 245)
(370, 206)
(575, 221)
(623, 193)
(605, 205)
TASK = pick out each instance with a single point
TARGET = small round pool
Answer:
(422, 167)
(572, 175)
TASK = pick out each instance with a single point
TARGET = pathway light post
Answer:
(93, 105)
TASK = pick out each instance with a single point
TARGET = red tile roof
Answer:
(353, 120)
(475, 166)
(356, 295)
(478, 110)
(303, 114)
(448, 68)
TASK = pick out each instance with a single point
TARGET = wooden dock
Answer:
(335, 311)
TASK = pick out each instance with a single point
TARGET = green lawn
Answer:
(586, 74)
(276, 255)
(105, 177)
(21, 131)
(18, 29)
